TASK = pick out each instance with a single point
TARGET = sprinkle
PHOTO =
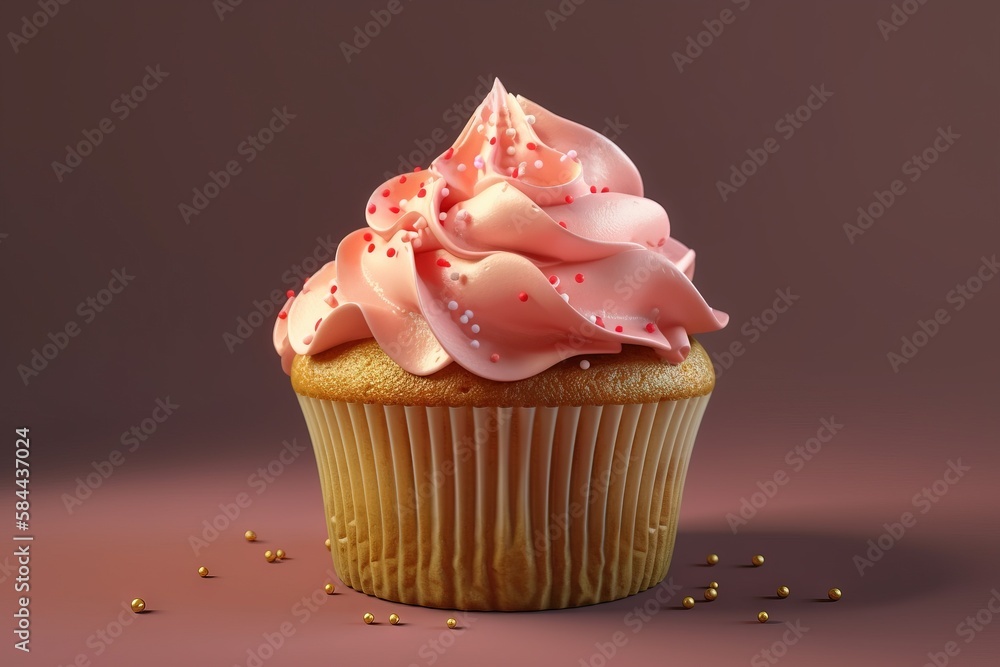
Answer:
(307, 340)
(461, 167)
(554, 280)
(330, 300)
(531, 145)
(367, 236)
(510, 132)
(494, 357)
(333, 289)
(402, 179)
(371, 209)
(463, 319)
(650, 327)
(448, 153)
(290, 293)
(539, 164)
(371, 247)
(445, 192)
(592, 318)
(385, 193)
(513, 172)
(493, 118)
(391, 252)
(402, 202)
(475, 328)
(605, 189)
(468, 314)
(619, 328)
(318, 322)
(579, 277)
(452, 305)
(584, 364)
(474, 343)
(416, 169)
(443, 262)
(569, 199)
(523, 296)
(442, 216)
(462, 216)
(565, 297)
(493, 140)
(530, 119)
(479, 128)
(394, 209)
(417, 242)
(478, 162)
(571, 155)
(282, 315)
(593, 189)
(454, 275)
(421, 192)
(563, 225)
(510, 150)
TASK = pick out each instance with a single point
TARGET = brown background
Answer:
(163, 336)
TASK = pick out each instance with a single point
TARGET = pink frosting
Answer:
(526, 242)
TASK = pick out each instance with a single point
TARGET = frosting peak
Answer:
(526, 242)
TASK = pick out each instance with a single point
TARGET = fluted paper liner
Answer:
(502, 508)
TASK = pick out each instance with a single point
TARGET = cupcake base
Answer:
(499, 508)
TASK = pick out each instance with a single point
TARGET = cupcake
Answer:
(498, 376)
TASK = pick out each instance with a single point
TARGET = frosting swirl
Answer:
(526, 242)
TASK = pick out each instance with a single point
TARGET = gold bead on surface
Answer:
(369, 618)
(327, 544)
(393, 619)
(138, 605)
(834, 593)
(762, 617)
(329, 588)
(713, 584)
(451, 623)
(687, 602)
(711, 594)
(712, 559)
(757, 560)
(250, 536)
(279, 554)
(202, 571)
(269, 556)
(783, 591)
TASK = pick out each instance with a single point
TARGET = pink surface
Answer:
(131, 538)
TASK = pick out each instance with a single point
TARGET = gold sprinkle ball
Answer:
(757, 560)
(834, 594)
(279, 554)
(713, 584)
(250, 536)
(369, 618)
(202, 571)
(327, 543)
(269, 556)
(762, 617)
(138, 605)
(393, 619)
(712, 559)
(711, 594)
(329, 589)
(687, 602)
(451, 623)
(783, 591)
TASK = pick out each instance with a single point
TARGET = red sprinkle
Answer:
(493, 140)
(391, 252)
(290, 293)
(650, 327)
(385, 193)
(368, 236)
(513, 172)
(415, 169)
(394, 209)
(371, 247)
(443, 262)
(599, 322)
(569, 199)
(422, 192)
(402, 179)
(579, 277)
(494, 357)
(619, 328)
(333, 289)
(282, 315)
(605, 189)
(553, 280)
(371, 209)
(531, 145)
(523, 296)
(593, 189)
(563, 225)
(448, 153)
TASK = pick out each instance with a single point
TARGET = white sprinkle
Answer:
(478, 162)
(539, 164)
(510, 132)
(402, 203)
(445, 192)
(572, 155)
(454, 276)
(462, 215)
(584, 364)
(468, 314)
(510, 150)
(461, 167)
(475, 328)
(463, 319)
(417, 242)
(474, 343)
(453, 305)
(562, 158)
(565, 297)
(442, 216)
(592, 318)
(479, 128)
(493, 118)
(530, 119)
